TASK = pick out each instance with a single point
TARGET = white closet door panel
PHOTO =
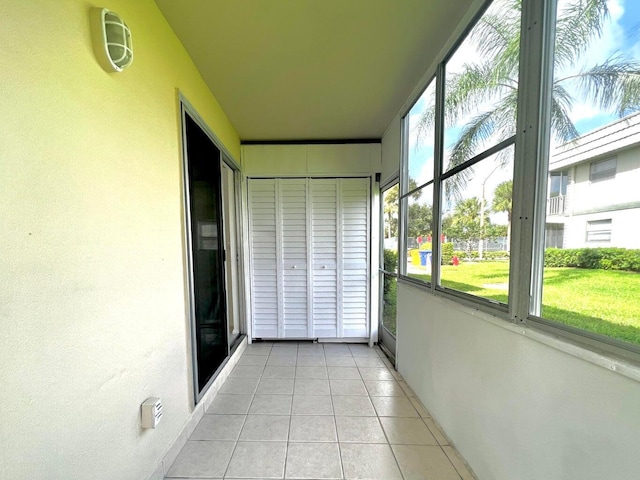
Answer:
(323, 260)
(354, 256)
(263, 239)
(293, 239)
(310, 257)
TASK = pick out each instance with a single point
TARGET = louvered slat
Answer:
(354, 223)
(293, 238)
(263, 245)
(324, 251)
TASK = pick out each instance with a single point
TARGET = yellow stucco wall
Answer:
(92, 291)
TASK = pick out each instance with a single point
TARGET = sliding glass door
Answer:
(206, 254)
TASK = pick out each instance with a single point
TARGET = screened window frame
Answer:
(531, 160)
(383, 188)
(439, 176)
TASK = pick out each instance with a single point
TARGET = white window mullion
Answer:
(531, 156)
(438, 154)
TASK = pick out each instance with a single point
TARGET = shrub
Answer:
(495, 255)
(390, 260)
(593, 258)
(486, 255)
(447, 253)
(425, 246)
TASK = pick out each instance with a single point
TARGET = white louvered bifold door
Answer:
(324, 257)
(264, 257)
(293, 240)
(309, 257)
(353, 257)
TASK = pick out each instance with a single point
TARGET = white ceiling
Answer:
(312, 69)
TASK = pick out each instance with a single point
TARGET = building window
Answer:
(602, 169)
(558, 182)
(554, 235)
(599, 231)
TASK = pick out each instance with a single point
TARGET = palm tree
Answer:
(391, 211)
(465, 222)
(502, 203)
(613, 85)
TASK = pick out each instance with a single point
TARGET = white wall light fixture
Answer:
(112, 40)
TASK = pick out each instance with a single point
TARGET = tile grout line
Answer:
(286, 446)
(389, 443)
(450, 462)
(334, 416)
(241, 428)
(335, 424)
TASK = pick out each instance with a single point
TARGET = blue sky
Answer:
(631, 15)
(629, 43)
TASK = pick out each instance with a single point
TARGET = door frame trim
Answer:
(390, 350)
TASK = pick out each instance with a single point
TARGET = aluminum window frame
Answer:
(405, 193)
(439, 176)
(531, 160)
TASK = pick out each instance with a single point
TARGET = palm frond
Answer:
(578, 24)
(475, 132)
(496, 125)
(454, 186)
(466, 92)
(426, 123)
(562, 127)
(497, 34)
(612, 85)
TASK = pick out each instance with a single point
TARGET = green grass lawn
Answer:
(599, 301)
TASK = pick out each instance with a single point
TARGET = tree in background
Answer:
(464, 224)
(420, 220)
(502, 199)
(391, 211)
(420, 216)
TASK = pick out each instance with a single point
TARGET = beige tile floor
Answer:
(312, 411)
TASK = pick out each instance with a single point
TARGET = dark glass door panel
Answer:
(207, 249)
